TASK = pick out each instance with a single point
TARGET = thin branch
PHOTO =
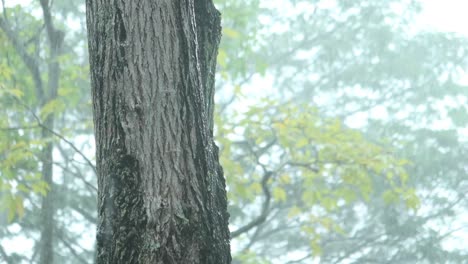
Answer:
(55, 38)
(39, 122)
(72, 250)
(306, 165)
(92, 219)
(265, 234)
(18, 128)
(4, 9)
(90, 164)
(446, 209)
(90, 186)
(253, 238)
(30, 62)
(35, 38)
(359, 246)
(266, 192)
(54, 35)
(300, 260)
(225, 105)
(449, 233)
(5, 256)
(265, 208)
(48, 19)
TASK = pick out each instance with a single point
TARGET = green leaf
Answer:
(302, 142)
(222, 58)
(294, 211)
(16, 92)
(285, 179)
(40, 187)
(21, 187)
(11, 215)
(66, 91)
(52, 106)
(411, 199)
(256, 187)
(328, 203)
(231, 33)
(390, 196)
(19, 206)
(316, 249)
(279, 194)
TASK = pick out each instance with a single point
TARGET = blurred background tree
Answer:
(342, 126)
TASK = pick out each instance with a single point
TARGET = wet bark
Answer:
(161, 194)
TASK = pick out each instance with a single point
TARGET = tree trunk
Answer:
(161, 195)
(48, 208)
(46, 249)
(55, 38)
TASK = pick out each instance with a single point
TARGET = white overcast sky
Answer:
(442, 15)
(445, 15)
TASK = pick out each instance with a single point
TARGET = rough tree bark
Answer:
(161, 195)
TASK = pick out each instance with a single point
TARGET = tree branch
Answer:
(90, 164)
(18, 128)
(265, 208)
(30, 62)
(77, 174)
(92, 219)
(39, 122)
(5, 256)
(71, 249)
(266, 192)
(306, 165)
(300, 259)
(4, 9)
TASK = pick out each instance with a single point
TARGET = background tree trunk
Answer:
(161, 195)
(55, 39)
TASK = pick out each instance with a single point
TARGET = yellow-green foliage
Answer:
(24, 108)
(18, 165)
(318, 163)
(19, 162)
